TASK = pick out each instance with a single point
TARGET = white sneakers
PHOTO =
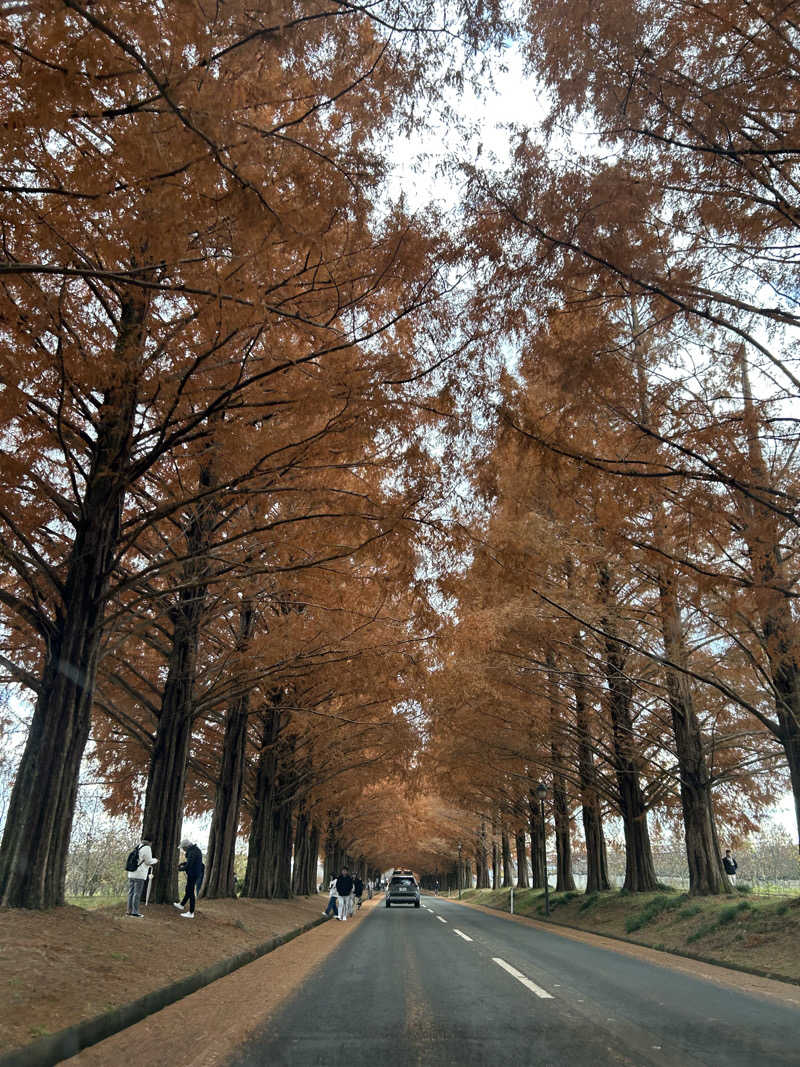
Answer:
(178, 906)
(187, 915)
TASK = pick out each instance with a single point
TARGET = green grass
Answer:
(690, 911)
(92, 903)
(652, 909)
(722, 918)
(727, 915)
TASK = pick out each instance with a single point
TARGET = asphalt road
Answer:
(451, 985)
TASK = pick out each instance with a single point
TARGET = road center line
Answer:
(520, 977)
(441, 920)
(461, 935)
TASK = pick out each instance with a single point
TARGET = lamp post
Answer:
(459, 870)
(541, 793)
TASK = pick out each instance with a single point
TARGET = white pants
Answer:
(342, 906)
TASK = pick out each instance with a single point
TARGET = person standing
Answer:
(137, 877)
(344, 887)
(730, 865)
(193, 865)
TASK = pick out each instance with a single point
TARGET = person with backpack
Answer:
(195, 870)
(138, 864)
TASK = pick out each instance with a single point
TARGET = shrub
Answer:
(703, 931)
(589, 901)
(728, 914)
(651, 910)
(687, 913)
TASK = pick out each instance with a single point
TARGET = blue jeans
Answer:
(135, 887)
(331, 908)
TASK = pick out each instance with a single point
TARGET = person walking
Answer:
(730, 865)
(193, 865)
(138, 867)
(333, 901)
(358, 889)
(344, 889)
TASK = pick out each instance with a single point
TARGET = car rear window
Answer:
(403, 881)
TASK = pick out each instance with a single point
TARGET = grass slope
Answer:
(66, 964)
(763, 936)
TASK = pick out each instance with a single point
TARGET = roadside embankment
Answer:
(760, 936)
(67, 965)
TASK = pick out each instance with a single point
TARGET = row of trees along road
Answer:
(225, 347)
(211, 311)
(631, 604)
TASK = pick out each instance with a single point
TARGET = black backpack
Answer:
(132, 862)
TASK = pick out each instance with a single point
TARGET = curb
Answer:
(68, 1042)
(710, 960)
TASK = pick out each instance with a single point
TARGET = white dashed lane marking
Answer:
(441, 920)
(461, 935)
(520, 977)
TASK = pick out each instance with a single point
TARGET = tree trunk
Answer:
(706, 873)
(281, 845)
(495, 866)
(773, 593)
(640, 874)
(300, 857)
(257, 878)
(537, 831)
(508, 876)
(33, 854)
(564, 879)
(522, 860)
(482, 859)
(596, 856)
(312, 860)
(220, 879)
(163, 806)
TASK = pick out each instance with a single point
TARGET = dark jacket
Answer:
(730, 864)
(358, 885)
(344, 885)
(194, 863)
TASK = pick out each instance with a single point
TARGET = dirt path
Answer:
(204, 1028)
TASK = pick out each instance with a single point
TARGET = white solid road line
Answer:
(461, 935)
(520, 977)
(441, 920)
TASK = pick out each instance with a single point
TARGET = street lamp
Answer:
(541, 793)
(459, 870)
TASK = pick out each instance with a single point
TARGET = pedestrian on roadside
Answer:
(193, 865)
(730, 865)
(358, 889)
(344, 889)
(138, 866)
(333, 901)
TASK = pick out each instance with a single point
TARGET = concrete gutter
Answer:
(57, 1047)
